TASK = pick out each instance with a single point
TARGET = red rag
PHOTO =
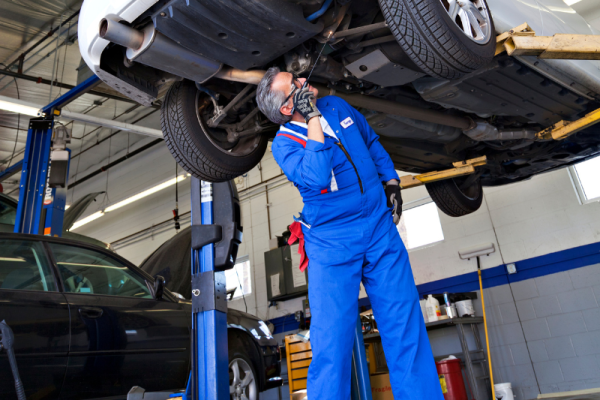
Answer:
(296, 230)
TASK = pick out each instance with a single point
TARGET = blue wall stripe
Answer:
(547, 264)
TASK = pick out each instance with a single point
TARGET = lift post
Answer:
(36, 166)
(210, 372)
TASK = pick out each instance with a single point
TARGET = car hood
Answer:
(172, 260)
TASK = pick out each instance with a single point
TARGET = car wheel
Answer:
(445, 38)
(243, 381)
(205, 152)
(453, 198)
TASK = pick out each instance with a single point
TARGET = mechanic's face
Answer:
(289, 84)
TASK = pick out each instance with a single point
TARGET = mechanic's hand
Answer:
(394, 199)
(304, 103)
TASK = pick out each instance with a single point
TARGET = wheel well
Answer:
(255, 353)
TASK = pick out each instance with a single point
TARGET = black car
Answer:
(87, 325)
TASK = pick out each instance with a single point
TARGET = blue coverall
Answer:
(350, 237)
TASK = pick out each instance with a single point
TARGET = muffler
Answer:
(150, 47)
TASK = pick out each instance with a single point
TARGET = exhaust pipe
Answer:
(358, 100)
(150, 47)
(121, 34)
(403, 110)
(233, 74)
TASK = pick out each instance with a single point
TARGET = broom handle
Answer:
(487, 340)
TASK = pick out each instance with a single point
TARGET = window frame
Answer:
(51, 266)
(136, 271)
(578, 186)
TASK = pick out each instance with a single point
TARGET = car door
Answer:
(121, 335)
(38, 315)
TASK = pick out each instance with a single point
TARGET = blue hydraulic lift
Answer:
(41, 207)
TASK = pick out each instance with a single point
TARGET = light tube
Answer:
(87, 219)
(145, 193)
(19, 108)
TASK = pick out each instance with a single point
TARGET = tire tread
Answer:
(426, 39)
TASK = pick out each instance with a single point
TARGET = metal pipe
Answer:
(66, 114)
(360, 100)
(36, 44)
(41, 60)
(237, 75)
(359, 31)
(142, 130)
(121, 34)
(393, 108)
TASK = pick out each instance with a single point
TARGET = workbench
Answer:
(466, 354)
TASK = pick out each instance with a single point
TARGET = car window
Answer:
(94, 272)
(23, 265)
(8, 212)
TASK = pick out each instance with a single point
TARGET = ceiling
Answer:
(22, 24)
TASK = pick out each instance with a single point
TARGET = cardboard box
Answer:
(381, 388)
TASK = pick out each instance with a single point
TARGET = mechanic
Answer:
(331, 154)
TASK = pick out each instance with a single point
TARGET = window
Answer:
(93, 272)
(8, 212)
(241, 270)
(420, 226)
(585, 179)
(23, 266)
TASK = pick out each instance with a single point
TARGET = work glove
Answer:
(394, 200)
(304, 103)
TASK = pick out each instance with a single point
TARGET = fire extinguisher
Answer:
(451, 379)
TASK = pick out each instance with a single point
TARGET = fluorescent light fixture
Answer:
(67, 207)
(19, 108)
(145, 193)
(87, 219)
(128, 200)
(571, 2)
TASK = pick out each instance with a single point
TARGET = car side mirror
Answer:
(158, 288)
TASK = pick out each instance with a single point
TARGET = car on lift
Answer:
(424, 73)
(90, 325)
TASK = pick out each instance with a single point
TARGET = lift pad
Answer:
(461, 168)
(564, 129)
(521, 41)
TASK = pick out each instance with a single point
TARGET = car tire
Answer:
(454, 201)
(202, 151)
(434, 41)
(243, 380)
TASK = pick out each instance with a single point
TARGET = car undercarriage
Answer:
(433, 100)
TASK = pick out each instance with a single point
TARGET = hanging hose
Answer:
(8, 339)
(320, 12)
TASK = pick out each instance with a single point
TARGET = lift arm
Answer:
(522, 41)
(461, 168)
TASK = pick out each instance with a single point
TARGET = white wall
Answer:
(523, 220)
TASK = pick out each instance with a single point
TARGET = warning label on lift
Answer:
(206, 192)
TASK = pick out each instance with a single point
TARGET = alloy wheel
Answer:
(472, 17)
(242, 383)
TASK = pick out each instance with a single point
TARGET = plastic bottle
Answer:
(423, 305)
(433, 309)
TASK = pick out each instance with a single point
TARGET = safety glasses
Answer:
(294, 86)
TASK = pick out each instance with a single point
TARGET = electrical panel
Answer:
(284, 278)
